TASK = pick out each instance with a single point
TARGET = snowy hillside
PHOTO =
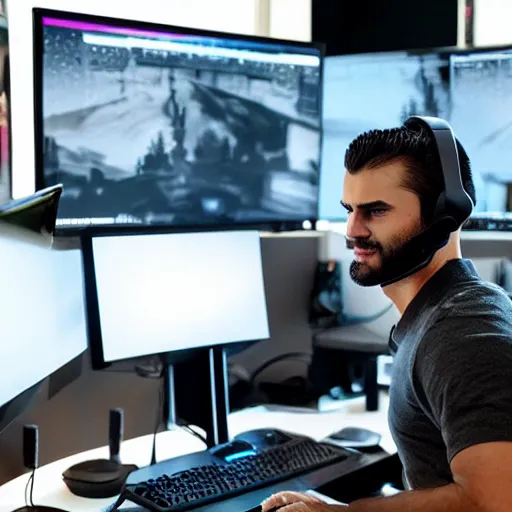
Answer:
(120, 130)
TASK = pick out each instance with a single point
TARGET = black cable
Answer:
(29, 501)
(283, 357)
(153, 372)
(32, 487)
(157, 421)
(190, 430)
(26, 491)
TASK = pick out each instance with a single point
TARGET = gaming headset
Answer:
(453, 207)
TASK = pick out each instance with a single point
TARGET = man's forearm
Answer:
(450, 498)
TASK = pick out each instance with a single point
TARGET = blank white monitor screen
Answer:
(167, 292)
(42, 313)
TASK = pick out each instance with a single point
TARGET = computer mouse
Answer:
(355, 437)
(233, 450)
(265, 437)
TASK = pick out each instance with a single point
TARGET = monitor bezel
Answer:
(443, 51)
(93, 317)
(277, 225)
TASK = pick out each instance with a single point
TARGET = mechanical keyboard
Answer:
(206, 484)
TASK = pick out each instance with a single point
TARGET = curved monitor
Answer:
(42, 316)
(152, 125)
(160, 293)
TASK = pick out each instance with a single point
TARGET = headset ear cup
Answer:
(441, 230)
(440, 206)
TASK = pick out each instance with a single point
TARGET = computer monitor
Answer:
(167, 292)
(472, 89)
(377, 90)
(42, 315)
(152, 125)
(481, 102)
(177, 295)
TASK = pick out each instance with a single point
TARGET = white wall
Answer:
(240, 16)
(461, 23)
(290, 19)
(286, 19)
(493, 22)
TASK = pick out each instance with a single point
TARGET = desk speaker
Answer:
(101, 478)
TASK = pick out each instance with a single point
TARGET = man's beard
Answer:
(390, 261)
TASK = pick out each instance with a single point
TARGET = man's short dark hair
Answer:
(418, 151)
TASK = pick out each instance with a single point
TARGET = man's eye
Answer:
(376, 211)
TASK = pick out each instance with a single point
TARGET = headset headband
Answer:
(454, 202)
(453, 207)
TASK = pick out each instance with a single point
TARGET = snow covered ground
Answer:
(122, 128)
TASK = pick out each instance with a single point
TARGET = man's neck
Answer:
(404, 291)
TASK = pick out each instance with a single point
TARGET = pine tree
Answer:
(160, 145)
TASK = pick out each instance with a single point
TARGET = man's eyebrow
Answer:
(368, 206)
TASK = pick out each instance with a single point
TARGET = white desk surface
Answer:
(50, 490)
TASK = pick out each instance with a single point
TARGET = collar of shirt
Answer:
(434, 291)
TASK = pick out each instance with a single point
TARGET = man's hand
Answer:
(297, 502)
(482, 477)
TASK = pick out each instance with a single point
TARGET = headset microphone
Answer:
(453, 207)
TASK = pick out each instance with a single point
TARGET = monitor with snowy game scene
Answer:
(471, 89)
(152, 125)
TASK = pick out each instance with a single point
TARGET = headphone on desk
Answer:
(453, 207)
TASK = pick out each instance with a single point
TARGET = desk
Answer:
(50, 490)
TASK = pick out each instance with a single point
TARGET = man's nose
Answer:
(356, 227)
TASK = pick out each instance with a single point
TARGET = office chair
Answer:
(350, 344)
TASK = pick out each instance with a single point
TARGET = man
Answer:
(451, 396)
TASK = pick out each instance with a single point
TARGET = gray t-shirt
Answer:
(452, 373)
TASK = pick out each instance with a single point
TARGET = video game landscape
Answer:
(472, 91)
(365, 92)
(151, 136)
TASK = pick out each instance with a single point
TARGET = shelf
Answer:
(466, 235)
(486, 236)
(292, 234)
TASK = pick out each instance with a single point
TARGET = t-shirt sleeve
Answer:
(463, 371)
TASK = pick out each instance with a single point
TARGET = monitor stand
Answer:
(197, 392)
